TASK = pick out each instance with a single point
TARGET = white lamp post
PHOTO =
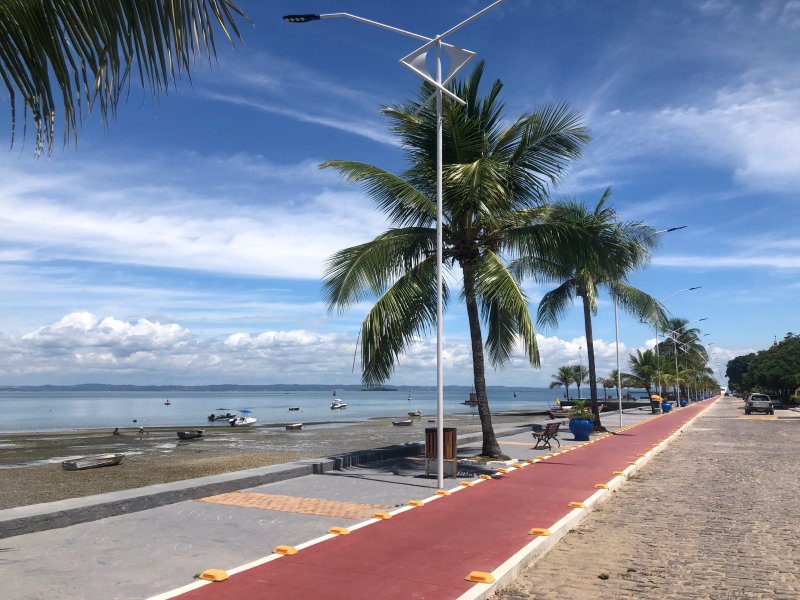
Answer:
(616, 335)
(416, 61)
(674, 335)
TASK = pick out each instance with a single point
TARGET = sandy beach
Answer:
(30, 463)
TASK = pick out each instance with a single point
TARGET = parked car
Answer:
(759, 402)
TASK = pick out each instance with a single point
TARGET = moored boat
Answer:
(294, 427)
(190, 435)
(403, 423)
(415, 413)
(337, 403)
(294, 408)
(226, 417)
(242, 421)
(91, 462)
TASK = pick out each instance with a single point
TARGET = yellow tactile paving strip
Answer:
(516, 443)
(760, 417)
(293, 504)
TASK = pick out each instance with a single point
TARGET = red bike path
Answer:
(427, 552)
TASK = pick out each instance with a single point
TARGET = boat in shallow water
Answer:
(403, 423)
(242, 421)
(91, 462)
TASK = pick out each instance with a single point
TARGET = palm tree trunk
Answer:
(587, 321)
(490, 445)
(566, 387)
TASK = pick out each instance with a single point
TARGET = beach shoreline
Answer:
(30, 463)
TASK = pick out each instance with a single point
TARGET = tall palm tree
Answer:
(562, 377)
(86, 52)
(580, 374)
(496, 175)
(605, 256)
(643, 369)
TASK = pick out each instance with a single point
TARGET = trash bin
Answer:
(450, 441)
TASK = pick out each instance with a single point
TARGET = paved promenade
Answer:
(421, 551)
(714, 516)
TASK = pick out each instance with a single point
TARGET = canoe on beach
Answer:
(91, 462)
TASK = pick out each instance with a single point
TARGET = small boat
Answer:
(473, 399)
(226, 417)
(337, 403)
(294, 427)
(91, 462)
(294, 408)
(242, 421)
(409, 395)
(190, 435)
(415, 413)
(403, 423)
(167, 402)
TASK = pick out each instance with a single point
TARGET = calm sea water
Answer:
(50, 411)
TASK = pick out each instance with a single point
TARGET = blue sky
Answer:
(185, 242)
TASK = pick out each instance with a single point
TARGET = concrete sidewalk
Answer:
(144, 553)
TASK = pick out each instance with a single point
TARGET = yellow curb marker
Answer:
(480, 577)
(466, 483)
(213, 575)
(415, 503)
(618, 473)
(284, 550)
(539, 531)
(442, 492)
(600, 486)
(577, 505)
(382, 515)
(484, 476)
(339, 530)
(503, 470)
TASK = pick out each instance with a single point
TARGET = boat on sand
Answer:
(91, 462)
(403, 423)
(190, 435)
(294, 427)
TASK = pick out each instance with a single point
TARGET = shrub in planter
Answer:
(581, 421)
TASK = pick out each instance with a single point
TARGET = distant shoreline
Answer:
(275, 387)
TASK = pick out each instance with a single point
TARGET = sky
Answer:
(185, 242)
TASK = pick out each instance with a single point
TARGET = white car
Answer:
(760, 402)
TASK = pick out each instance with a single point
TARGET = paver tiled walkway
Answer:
(293, 504)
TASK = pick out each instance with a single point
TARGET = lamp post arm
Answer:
(376, 24)
(470, 19)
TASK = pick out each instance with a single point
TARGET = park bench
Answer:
(545, 435)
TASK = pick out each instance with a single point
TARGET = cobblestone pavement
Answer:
(716, 515)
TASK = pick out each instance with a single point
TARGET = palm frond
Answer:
(405, 310)
(555, 304)
(404, 205)
(85, 52)
(366, 270)
(637, 303)
(505, 309)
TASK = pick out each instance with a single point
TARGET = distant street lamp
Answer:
(416, 61)
(674, 335)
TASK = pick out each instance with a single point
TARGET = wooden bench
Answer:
(544, 436)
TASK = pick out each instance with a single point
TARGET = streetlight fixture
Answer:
(674, 335)
(417, 62)
(616, 333)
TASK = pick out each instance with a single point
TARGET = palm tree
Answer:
(643, 366)
(496, 175)
(605, 256)
(562, 377)
(580, 375)
(86, 51)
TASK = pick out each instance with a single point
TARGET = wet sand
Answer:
(31, 473)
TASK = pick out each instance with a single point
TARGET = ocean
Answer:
(59, 411)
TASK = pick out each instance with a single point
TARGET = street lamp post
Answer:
(416, 61)
(658, 358)
(674, 335)
(616, 335)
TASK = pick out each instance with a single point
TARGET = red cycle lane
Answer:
(427, 552)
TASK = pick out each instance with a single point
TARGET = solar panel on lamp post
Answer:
(416, 61)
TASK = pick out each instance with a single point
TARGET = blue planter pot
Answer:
(581, 429)
(683, 402)
(666, 407)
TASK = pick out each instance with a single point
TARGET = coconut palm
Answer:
(643, 369)
(562, 377)
(580, 374)
(86, 52)
(496, 175)
(605, 256)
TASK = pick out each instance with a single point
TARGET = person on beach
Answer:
(141, 430)
(116, 431)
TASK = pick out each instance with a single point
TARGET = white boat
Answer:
(409, 395)
(337, 403)
(242, 421)
(415, 413)
(403, 423)
(91, 462)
